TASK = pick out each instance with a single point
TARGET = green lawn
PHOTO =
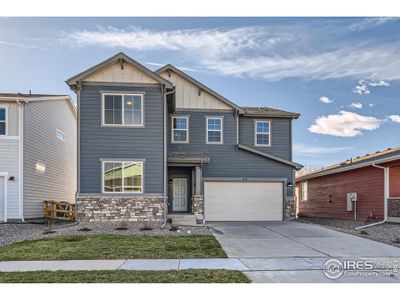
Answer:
(105, 246)
(120, 276)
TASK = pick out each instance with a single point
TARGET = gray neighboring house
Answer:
(160, 145)
(37, 153)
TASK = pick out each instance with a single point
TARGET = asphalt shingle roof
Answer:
(270, 112)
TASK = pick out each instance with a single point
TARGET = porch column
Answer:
(198, 180)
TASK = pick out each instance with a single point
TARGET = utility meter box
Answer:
(351, 197)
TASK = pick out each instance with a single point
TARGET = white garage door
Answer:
(243, 201)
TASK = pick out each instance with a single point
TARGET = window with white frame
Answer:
(60, 135)
(180, 129)
(3, 120)
(304, 191)
(123, 109)
(262, 136)
(122, 177)
(214, 130)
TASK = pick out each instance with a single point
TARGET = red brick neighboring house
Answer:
(374, 177)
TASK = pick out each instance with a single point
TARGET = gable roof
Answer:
(270, 156)
(200, 85)
(120, 57)
(387, 155)
(269, 112)
(14, 97)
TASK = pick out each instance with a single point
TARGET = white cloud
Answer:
(357, 105)
(21, 45)
(379, 83)
(344, 124)
(307, 149)
(371, 105)
(362, 86)
(326, 100)
(395, 118)
(368, 23)
(268, 52)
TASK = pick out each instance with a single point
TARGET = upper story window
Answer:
(214, 130)
(123, 110)
(304, 191)
(262, 133)
(3, 120)
(180, 129)
(122, 177)
(60, 135)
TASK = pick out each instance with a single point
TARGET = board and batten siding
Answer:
(97, 142)
(280, 135)
(188, 95)
(42, 147)
(226, 160)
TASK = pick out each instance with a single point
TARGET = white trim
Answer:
(141, 94)
(220, 130)
(172, 130)
(5, 175)
(5, 107)
(124, 161)
(255, 133)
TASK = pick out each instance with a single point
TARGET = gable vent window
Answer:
(262, 136)
(123, 110)
(60, 135)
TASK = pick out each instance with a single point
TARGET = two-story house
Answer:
(37, 153)
(159, 145)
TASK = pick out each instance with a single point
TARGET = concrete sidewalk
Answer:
(124, 264)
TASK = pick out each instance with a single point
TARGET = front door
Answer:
(179, 188)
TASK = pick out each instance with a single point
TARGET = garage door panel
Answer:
(243, 201)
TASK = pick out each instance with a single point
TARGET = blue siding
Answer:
(226, 160)
(98, 142)
(280, 136)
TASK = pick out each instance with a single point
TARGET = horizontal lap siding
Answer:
(98, 142)
(367, 182)
(9, 162)
(280, 136)
(394, 182)
(226, 160)
(41, 145)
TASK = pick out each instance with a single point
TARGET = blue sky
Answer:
(341, 74)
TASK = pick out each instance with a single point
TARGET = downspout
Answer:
(385, 195)
(21, 158)
(165, 192)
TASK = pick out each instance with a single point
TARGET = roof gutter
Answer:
(385, 196)
(348, 168)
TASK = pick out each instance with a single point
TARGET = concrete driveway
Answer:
(296, 252)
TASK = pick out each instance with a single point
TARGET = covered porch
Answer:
(185, 187)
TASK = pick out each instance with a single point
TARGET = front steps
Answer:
(183, 219)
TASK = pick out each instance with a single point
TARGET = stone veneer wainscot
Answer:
(120, 208)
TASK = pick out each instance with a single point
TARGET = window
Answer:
(122, 177)
(304, 191)
(180, 129)
(214, 130)
(3, 121)
(123, 109)
(60, 135)
(262, 135)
